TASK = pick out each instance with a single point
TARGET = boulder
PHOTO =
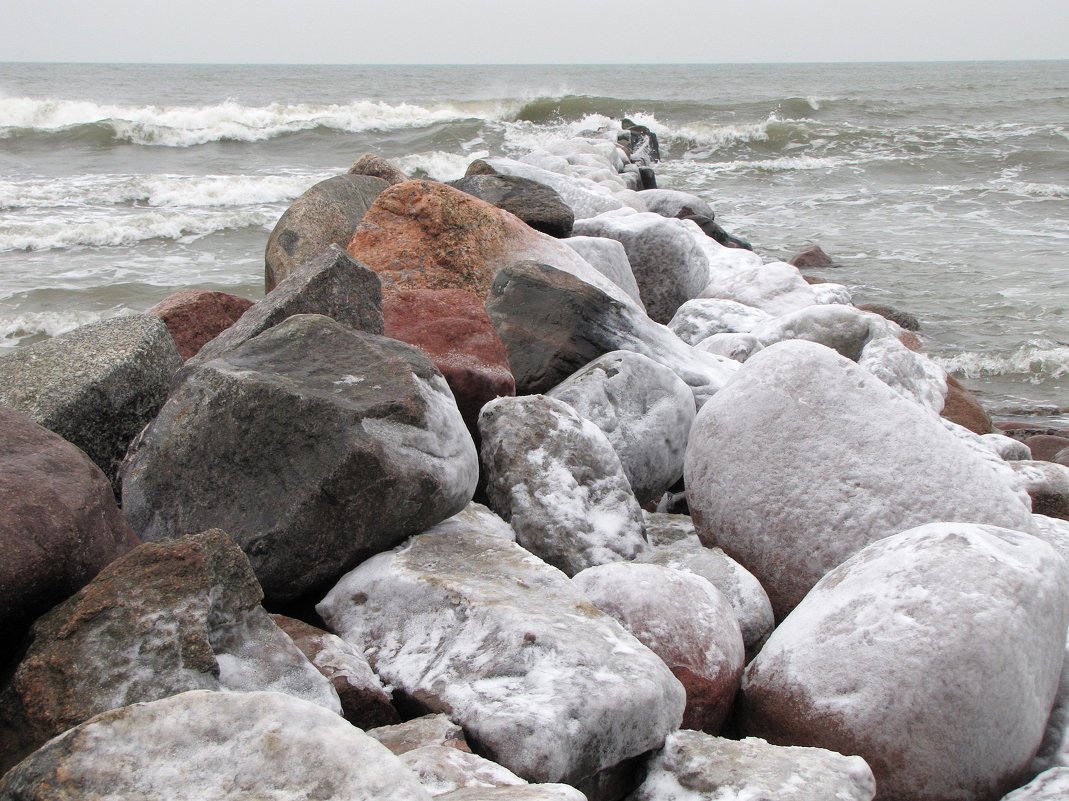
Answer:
(906, 320)
(962, 407)
(853, 667)
(826, 293)
(714, 231)
(668, 264)
(59, 524)
(701, 318)
(552, 324)
(536, 204)
(418, 732)
(327, 214)
(643, 141)
(812, 257)
(683, 619)
(776, 288)
(644, 409)
(1050, 785)
(1045, 447)
(556, 478)
(609, 258)
(364, 701)
(442, 769)
(1047, 484)
(737, 347)
(1062, 457)
(314, 445)
(96, 386)
(584, 197)
(378, 167)
(864, 461)
(452, 328)
(844, 329)
(523, 792)
(195, 316)
(239, 745)
(698, 767)
(330, 283)
(912, 375)
(663, 529)
(161, 620)
(1006, 447)
(673, 203)
(473, 624)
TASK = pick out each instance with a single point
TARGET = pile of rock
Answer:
(445, 445)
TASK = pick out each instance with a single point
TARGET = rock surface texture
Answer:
(536, 204)
(196, 316)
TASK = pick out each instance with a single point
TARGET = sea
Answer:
(939, 188)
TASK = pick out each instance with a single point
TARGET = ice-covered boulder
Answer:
(683, 619)
(701, 318)
(852, 461)
(312, 444)
(844, 329)
(912, 375)
(826, 293)
(209, 746)
(697, 767)
(536, 204)
(776, 288)
(1007, 448)
(609, 258)
(556, 478)
(1047, 484)
(542, 682)
(553, 324)
(163, 619)
(436, 729)
(522, 792)
(673, 203)
(584, 197)
(737, 347)
(644, 409)
(1050, 785)
(442, 769)
(934, 654)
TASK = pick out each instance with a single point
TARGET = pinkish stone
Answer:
(196, 316)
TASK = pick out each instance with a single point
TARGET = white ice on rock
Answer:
(1051, 785)
(912, 375)
(609, 258)
(829, 294)
(776, 288)
(1007, 448)
(701, 318)
(542, 682)
(442, 769)
(844, 329)
(737, 347)
(584, 197)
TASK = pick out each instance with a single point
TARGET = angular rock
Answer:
(812, 257)
(644, 409)
(335, 445)
(536, 204)
(776, 288)
(419, 732)
(1047, 484)
(864, 463)
(683, 619)
(327, 214)
(902, 318)
(1045, 447)
(556, 478)
(536, 675)
(1050, 785)
(451, 326)
(378, 167)
(552, 324)
(242, 745)
(701, 318)
(329, 283)
(609, 258)
(59, 524)
(962, 407)
(853, 668)
(697, 767)
(737, 347)
(673, 203)
(442, 769)
(161, 620)
(95, 386)
(195, 316)
(364, 701)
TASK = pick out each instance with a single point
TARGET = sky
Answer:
(546, 32)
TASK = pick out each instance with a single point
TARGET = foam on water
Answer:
(23, 328)
(439, 165)
(1037, 361)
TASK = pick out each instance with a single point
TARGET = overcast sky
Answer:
(544, 31)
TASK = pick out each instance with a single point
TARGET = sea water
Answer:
(942, 189)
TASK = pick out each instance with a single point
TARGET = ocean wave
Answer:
(439, 165)
(185, 126)
(22, 328)
(1037, 361)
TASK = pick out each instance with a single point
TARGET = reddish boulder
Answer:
(378, 167)
(813, 256)
(452, 327)
(59, 524)
(962, 407)
(1046, 447)
(195, 316)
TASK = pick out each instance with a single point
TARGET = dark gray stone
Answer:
(536, 204)
(713, 230)
(96, 386)
(313, 445)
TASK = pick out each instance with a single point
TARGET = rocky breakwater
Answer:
(444, 446)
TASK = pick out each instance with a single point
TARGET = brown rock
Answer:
(904, 319)
(1046, 447)
(195, 316)
(452, 327)
(911, 341)
(962, 407)
(378, 167)
(812, 256)
(59, 524)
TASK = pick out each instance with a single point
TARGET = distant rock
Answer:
(1045, 447)
(812, 257)
(378, 167)
(195, 316)
(536, 204)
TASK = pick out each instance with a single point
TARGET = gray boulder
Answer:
(314, 445)
(327, 214)
(95, 386)
(556, 478)
(644, 409)
(609, 258)
(536, 204)
(442, 769)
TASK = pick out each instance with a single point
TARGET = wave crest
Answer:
(1038, 361)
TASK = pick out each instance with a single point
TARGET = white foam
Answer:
(1039, 360)
(439, 165)
(17, 328)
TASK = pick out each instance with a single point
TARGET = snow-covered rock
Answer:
(844, 329)
(1051, 785)
(442, 769)
(829, 293)
(1047, 484)
(673, 203)
(934, 654)
(542, 682)
(912, 375)
(584, 197)
(737, 347)
(435, 729)
(851, 461)
(776, 288)
(668, 529)
(209, 746)
(696, 767)
(609, 258)
(683, 619)
(522, 792)
(557, 479)
(701, 318)
(1007, 448)
(644, 409)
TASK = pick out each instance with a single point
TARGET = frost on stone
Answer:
(1050, 785)
(776, 288)
(609, 258)
(442, 769)
(912, 375)
(844, 329)
(737, 347)
(700, 318)
(1007, 448)
(829, 294)
(584, 197)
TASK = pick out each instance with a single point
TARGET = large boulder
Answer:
(59, 524)
(644, 409)
(962, 407)
(329, 283)
(609, 258)
(673, 203)
(884, 659)
(683, 619)
(909, 373)
(163, 619)
(697, 767)
(208, 746)
(1046, 447)
(327, 214)
(196, 316)
(586, 198)
(536, 204)
(556, 478)
(314, 445)
(701, 318)
(553, 324)
(776, 288)
(841, 328)
(852, 461)
(96, 386)
(472, 624)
